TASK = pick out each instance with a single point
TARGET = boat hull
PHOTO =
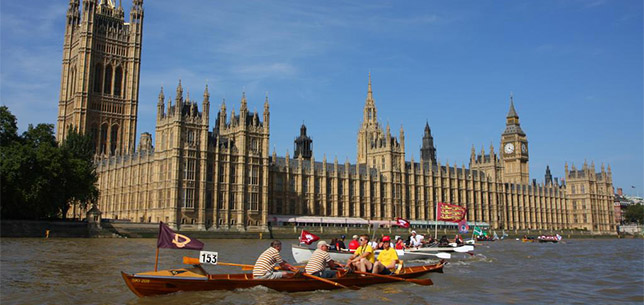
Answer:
(150, 284)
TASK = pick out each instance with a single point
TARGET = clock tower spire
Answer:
(514, 145)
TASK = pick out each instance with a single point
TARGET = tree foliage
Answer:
(39, 178)
(634, 213)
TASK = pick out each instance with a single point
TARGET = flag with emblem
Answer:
(307, 238)
(402, 222)
(172, 240)
(451, 212)
(463, 227)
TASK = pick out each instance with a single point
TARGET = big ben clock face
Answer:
(508, 148)
(524, 148)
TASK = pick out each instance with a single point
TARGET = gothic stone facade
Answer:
(223, 178)
(100, 74)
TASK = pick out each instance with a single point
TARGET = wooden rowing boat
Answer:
(197, 279)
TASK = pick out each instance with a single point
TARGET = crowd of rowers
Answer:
(320, 263)
(414, 240)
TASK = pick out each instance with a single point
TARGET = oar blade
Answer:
(190, 260)
(463, 249)
(443, 255)
(424, 282)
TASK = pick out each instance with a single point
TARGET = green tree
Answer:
(634, 213)
(39, 178)
(79, 182)
(11, 160)
(31, 167)
(8, 126)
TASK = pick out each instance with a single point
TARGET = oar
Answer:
(424, 282)
(329, 281)
(463, 249)
(251, 267)
(191, 260)
(195, 261)
(442, 255)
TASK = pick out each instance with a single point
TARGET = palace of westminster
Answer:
(197, 178)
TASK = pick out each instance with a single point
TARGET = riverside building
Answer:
(198, 177)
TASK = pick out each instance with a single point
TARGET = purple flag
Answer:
(169, 239)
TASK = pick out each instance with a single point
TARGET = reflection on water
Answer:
(86, 271)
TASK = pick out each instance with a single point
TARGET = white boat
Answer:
(302, 254)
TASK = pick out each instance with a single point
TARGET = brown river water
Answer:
(87, 271)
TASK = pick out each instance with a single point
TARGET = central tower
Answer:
(378, 148)
(100, 76)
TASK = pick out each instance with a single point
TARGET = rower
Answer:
(363, 258)
(386, 259)
(415, 240)
(319, 260)
(458, 240)
(264, 266)
(340, 244)
(400, 245)
(443, 242)
(354, 244)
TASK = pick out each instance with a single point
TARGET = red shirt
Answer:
(400, 246)
(353, 245)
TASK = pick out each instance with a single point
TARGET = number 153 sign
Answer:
(207, 257)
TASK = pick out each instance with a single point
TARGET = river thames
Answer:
(87, 271)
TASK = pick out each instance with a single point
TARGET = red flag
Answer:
(169, 239)
(451, 212)
(307, 237)
(402, 222)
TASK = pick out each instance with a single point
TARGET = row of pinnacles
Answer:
(190, 168)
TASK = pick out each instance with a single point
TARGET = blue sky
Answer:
(574, 68)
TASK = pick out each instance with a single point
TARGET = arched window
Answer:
(103, 141)
(191, 137)
(114, 138)
(107, 87)
(98, 76)
(118, 76)
(94, 134)
(72, 87)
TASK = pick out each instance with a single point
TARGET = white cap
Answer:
(413, 232)
(322, 243)
(355, 237)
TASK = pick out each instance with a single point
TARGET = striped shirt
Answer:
(266, 262)
(318, 261)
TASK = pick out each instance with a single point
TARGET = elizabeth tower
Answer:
(514, 144)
